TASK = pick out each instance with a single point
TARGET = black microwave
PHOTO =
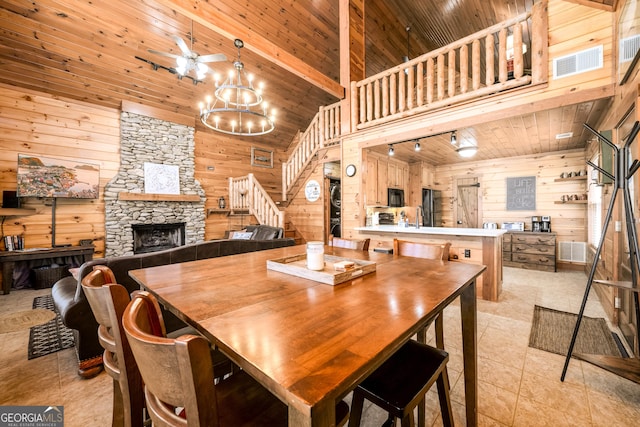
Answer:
(396, 197)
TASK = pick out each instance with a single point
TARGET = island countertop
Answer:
(450, 231)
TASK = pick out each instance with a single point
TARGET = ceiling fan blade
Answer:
(182, 45)
(214, 57)
(170, 55)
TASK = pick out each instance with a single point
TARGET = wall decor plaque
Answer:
(521, 193)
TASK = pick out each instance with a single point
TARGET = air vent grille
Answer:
(572, 251)
(579, 62)
(629, 47)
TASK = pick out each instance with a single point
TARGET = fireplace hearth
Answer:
(156, 237)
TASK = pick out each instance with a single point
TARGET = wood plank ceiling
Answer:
(89, 51)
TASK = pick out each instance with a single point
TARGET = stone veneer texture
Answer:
(145, 139)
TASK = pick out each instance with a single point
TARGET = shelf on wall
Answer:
(572, 202)
(158, 197)
(573, 178)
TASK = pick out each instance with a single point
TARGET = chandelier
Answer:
(236, 107)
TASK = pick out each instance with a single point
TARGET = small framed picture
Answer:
(261, 158)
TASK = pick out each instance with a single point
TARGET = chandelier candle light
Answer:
(237, 108)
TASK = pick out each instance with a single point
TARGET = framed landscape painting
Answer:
(41, 176)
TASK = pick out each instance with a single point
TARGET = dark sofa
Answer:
(76, 313)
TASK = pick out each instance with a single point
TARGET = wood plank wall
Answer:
(36, 123)
(567, 220)
(231, 157)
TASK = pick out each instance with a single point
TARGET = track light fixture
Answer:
(454, 139)
(417, 147)
(391, 150)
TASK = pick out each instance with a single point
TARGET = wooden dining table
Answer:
(308, 342)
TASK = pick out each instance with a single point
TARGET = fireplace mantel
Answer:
(158, 197)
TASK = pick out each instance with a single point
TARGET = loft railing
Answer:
(246, 194)
(324, 131)
(475, 66)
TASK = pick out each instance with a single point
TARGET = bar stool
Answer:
(400, 385)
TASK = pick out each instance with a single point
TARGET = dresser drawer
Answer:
(518, 248)
(535, 239)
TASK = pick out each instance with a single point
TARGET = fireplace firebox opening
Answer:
(156, 237)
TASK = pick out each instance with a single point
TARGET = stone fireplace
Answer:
(149, 140)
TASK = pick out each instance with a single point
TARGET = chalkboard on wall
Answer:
(521, 193)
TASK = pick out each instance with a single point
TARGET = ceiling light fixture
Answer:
(417, 147)
(236, 104)
(408, 30)
(464, 148)
(467, 151)
(391, 150)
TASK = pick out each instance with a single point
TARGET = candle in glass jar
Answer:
(315, 256)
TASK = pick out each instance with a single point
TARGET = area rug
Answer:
(50, 337)
(552, 331)
(12, 322)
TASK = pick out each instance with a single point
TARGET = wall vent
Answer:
(629, 47)
(572, 251)
(579, 62)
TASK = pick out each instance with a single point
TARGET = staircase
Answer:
(246, 195)
(323, 132)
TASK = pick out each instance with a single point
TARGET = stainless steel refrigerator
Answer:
(431, 208)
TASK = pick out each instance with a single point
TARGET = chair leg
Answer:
(357, 401)
(117, 419)
(422, 412)
(440, 331)
(445, 399)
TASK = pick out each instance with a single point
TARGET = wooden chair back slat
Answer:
(108, 301)
(362, 245)
(422, 250)
(176, 372)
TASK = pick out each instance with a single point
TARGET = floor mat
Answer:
(49, 337)
(552, 330)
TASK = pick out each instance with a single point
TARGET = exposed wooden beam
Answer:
(205, 14)
(608, 5)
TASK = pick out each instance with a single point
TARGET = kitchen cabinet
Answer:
(398, 174)
(530, 250)
(376, 181)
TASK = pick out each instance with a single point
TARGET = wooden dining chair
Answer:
(178, 377)
(400, 384)
(108, 301)
(422, 250)
(361, 245)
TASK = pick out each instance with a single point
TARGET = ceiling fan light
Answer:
(467, 151)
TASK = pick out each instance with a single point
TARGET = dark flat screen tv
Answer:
(40, 176)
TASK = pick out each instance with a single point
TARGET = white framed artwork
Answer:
(161, 179)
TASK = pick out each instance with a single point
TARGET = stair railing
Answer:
(324, 131)
(246, 194)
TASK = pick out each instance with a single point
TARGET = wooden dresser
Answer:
(528, 249)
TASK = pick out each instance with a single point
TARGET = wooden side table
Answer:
(9, 258)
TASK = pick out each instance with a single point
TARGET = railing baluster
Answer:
(464, 69)
(451, 90)
(475, 64)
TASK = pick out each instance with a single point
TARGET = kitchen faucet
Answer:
(418, 209)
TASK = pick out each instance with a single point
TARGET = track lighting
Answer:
(454, 140)
(391, 150)
(416, 147)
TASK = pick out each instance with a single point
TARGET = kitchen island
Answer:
(472, 245)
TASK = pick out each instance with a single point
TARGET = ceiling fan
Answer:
(190, 60)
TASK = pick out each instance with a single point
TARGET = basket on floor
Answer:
(46, 276)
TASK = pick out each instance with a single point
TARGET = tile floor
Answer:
(518, 385)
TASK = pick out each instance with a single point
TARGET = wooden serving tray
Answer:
(297, 266)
